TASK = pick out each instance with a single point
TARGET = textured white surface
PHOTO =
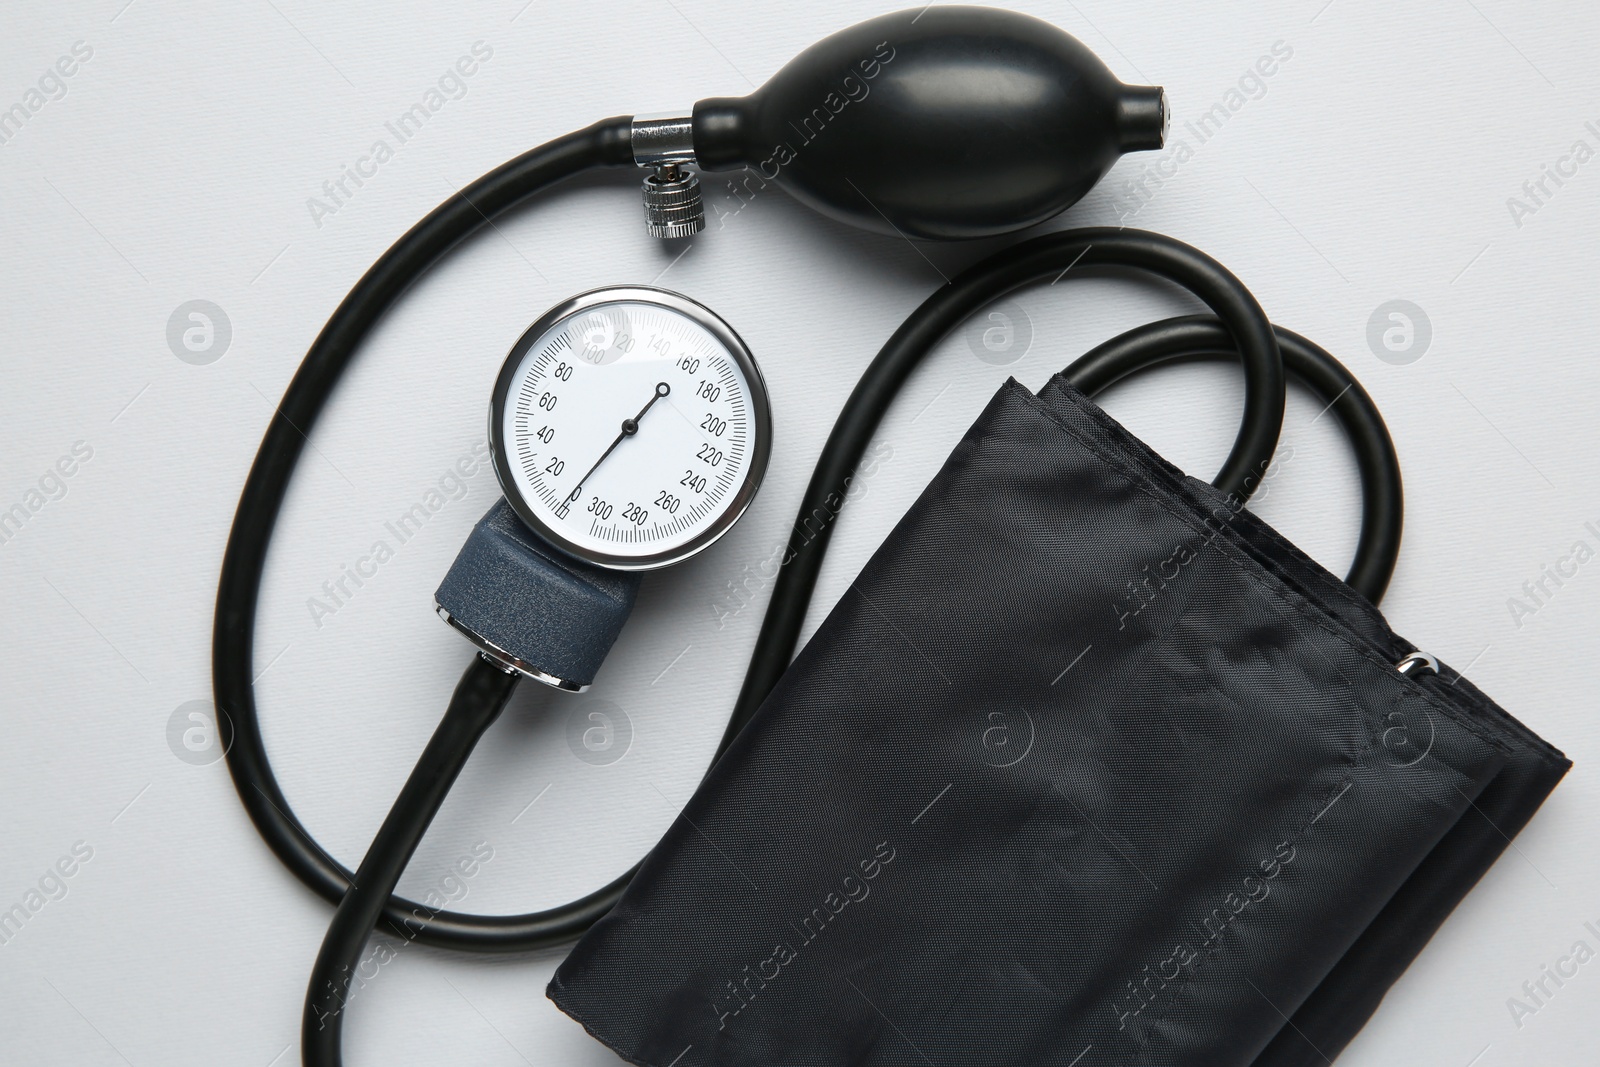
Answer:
(1375, 164)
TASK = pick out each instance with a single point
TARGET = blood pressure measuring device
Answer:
(630, 426)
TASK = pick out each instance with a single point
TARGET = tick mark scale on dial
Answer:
(661, 344)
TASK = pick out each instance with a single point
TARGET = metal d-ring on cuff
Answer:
(1417, 662)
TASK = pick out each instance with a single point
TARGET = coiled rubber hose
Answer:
(1239, 331)
(603, 144)
(1205, 337)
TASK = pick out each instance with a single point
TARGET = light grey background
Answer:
(1376, 164)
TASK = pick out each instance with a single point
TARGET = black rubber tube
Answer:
(606, 143)
(1050, 259)
(1205, 337)
(478, 700)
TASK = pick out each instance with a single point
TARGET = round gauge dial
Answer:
(630, 427)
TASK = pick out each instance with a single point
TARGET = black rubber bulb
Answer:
(942, 122)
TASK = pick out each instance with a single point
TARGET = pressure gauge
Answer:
(630, 427)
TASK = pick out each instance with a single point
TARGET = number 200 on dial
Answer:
(630, 427)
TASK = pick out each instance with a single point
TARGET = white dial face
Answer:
(631, 432)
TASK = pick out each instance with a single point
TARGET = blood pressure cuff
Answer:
(1089, 766)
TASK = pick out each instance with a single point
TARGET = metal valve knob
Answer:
(672, 206)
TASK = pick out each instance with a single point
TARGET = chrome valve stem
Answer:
(672, 204)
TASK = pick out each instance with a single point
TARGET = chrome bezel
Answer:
(759, 404)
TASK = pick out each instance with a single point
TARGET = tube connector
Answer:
(1143, 118)
(662, 140)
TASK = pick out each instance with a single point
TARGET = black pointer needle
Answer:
(629, 428)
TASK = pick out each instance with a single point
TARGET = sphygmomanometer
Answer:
(1088, 766)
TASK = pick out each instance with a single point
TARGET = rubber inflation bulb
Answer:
(942, 122)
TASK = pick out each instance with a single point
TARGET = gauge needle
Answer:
(629, 428)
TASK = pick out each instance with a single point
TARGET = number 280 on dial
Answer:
(630, 427)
